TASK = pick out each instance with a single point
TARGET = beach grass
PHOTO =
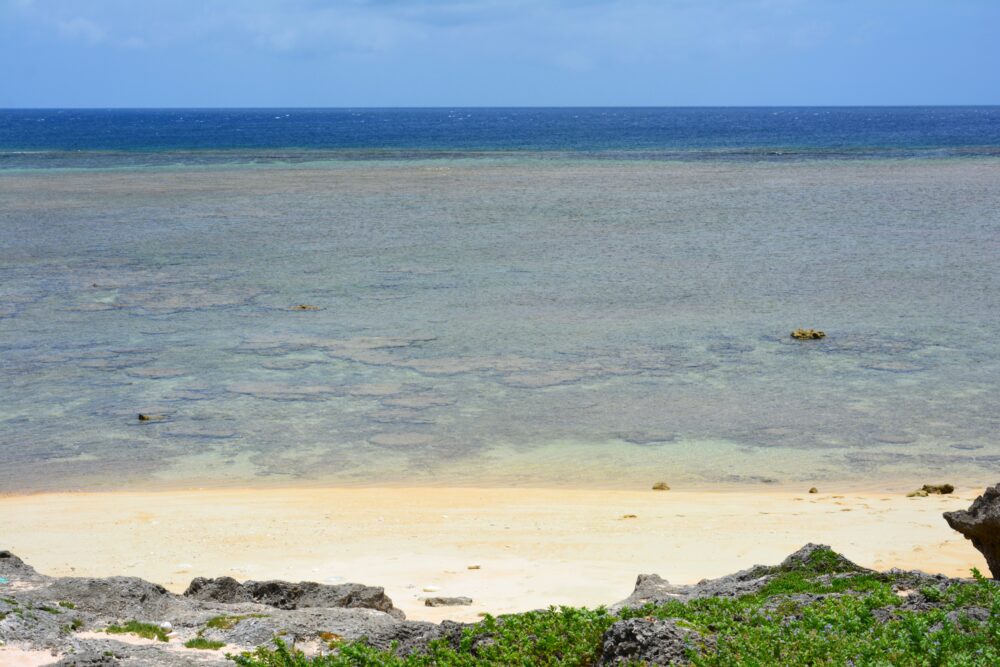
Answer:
(227, 622)
(145, 630)
(204, 644)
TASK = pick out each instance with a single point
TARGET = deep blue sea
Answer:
(582, 297)
(61, 137)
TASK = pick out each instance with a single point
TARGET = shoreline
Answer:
(533, 547)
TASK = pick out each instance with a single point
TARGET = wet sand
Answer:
(533, 547)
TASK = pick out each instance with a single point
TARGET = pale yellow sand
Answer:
(11, 656)
(533, 547)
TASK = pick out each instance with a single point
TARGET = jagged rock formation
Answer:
(68, 616)
(285, 595)
(654, 589)
(648, 641)
(981, 524)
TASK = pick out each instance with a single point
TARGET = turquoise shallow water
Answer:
(509, 320)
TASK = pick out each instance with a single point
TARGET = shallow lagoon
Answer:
(500, 321)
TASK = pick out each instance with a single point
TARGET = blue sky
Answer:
(142, 53)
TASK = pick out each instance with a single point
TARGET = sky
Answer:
(379, 53)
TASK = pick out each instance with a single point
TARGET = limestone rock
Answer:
(808, 334)
(89, 659)
(286, 595)
(981, 524)
(654, 589)
(648, 642)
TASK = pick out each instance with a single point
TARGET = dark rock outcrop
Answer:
(286, 595)
(981, 524)
(119, 597)
(648, 641)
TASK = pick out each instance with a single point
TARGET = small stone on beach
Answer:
(630, 516)
(661, 486)
(472, 567)
(814, 490)
(448, 602)
(931, 489)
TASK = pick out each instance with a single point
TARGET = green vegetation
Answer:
(74, 625)
(146, 630)
(67, 604)
(819, 612)
(229, 622)
(205, 644)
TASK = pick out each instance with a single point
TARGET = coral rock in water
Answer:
(808, 334)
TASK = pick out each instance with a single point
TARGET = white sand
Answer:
(534, 547)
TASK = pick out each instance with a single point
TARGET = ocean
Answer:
(484, 297)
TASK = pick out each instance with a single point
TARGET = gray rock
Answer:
(11, 565)
(414, 637)
(115, 597)
(304, 625)
(654, 589)
(89, 659)
(286, 595)
(449, 632)
(648, 642)
(221, 589)
(974, 614)
(448, 602)
(24, 622)
(981, 524)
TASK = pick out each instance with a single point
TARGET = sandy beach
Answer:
(508, 549)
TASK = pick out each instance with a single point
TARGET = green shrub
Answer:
(803, 616)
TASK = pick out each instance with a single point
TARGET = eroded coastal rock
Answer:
(654, 589)
(981, 524)
(648, 641)
(285, 595)
(68, 618)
